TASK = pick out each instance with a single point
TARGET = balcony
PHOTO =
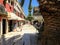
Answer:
(2, 10)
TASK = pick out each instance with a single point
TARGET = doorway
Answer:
(4, 26)
(10, 26)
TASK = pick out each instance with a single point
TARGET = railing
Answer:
(2, 10)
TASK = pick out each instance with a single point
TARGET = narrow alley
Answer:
(29, 22)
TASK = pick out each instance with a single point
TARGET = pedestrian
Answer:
(15, 26)
(36, 25)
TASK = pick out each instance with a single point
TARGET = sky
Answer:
(26, 4)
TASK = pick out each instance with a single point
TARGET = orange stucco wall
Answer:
(1, 1)
(9, 8)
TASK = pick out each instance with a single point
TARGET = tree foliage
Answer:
(29, 17)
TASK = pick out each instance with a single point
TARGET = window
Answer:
(12, 3)
(9, 1)
(14, 11)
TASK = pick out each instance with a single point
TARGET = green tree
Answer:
(29, 17)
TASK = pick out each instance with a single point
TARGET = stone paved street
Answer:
(18, 38)
(12, 38)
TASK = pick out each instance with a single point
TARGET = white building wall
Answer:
(0, 32)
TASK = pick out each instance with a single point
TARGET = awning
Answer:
(13, 16)
(20, 18)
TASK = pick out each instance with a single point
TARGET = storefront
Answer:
(13, 20)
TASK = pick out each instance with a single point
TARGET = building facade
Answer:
(10, 12)
(11, 15)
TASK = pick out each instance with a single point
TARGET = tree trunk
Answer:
(51, 14)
